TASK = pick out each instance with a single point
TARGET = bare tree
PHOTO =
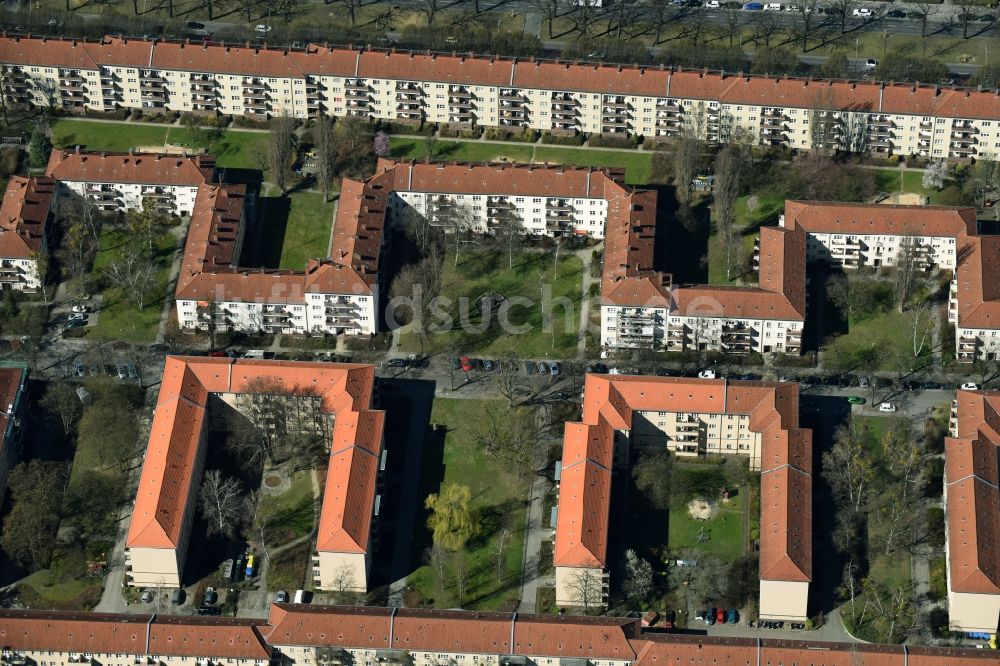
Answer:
(509, 231)
(61, 399)
(849, 468)
(133, 273)
(351, 6)
(460, 575)
(550, 11)
(587, 586)
(343, 585)
(508, 436)
(806, 21)
(841, 9)
(508, 379)
(924, 12)
(500, 549)
(280, 151)
(221, 503)
(638, 577)
(687, 154)
(908, 270)
(429, 8)
(456, 220)
(966, 14)
(656, 16)
(725, 192)
(921, 324)
(326, 154)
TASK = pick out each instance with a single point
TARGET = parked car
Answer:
(122, 371)
(477, 364)
(710, 616)
(211, 596)
(80, 370)
(970, 386)
(712, 4)
(669, 619)
(194, 25)
(896, 14)
(488, 365)
(78, 316)
(707, 374)
(397, 363)
(262, 29)
(887, 407)
(600, 368)
(81, 309)
(543, 367)
(554, 368)
(871, 64)
(529, 368)
(732, 616)
(466, 363)
(855, 400)
(753, 7)
(281, 597)
(720, 615)
(146, 597)
(772, 7)
(861, 11)
(456, 363)
(177, 597)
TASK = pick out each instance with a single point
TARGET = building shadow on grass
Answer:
(266, 233)
(824, 415)
(681, 238)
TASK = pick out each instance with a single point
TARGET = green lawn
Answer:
(119, 318)
(484, 271)
(637, 164)
(288, 568)
(497, 497)
(887, 336)
(293, 511)
(114, 136)
(307, 234)
(234, 148)
(747, 224)
(724, 530)
(450, 149)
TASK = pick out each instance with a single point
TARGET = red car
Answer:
(218, 354)
(720, 615)
(466, 364)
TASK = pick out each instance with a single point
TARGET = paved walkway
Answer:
(584, 255)
(180, 233)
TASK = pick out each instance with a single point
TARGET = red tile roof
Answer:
(145, 168)
(175, 443)
(213, 233)
(24, 214)
(907, 99)
(110, 634)
(861, 219)
(973, 496)
(448, 632)
(609, 403)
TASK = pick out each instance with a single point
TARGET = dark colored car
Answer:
(177, 597)
(211, 596)
(896, 14)
(669, 619)
(732, 616)
(529, 368)
(710, 616)
(456, 363)
(397, 363)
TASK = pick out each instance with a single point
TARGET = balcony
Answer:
(414, 97)
(509, 95)
(461, 103)
(964, 125)
(459, 91)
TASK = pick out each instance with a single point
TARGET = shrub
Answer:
(497, 134)
(613, 141)
(575, 139)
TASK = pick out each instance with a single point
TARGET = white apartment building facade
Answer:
(851, 116)
(128, 181)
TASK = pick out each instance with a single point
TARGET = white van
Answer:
(772, 7)
(300, 597)
(712, 4)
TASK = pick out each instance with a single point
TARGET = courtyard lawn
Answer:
(889, 333)
(307, 233)
(637, 164)
(484, 271)
(113, 136)
(496, 496)
(233, 148)
(119, 318)
(287, 569)
(747, 223)
(292, 512)
(415, 147)
(724, 530)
